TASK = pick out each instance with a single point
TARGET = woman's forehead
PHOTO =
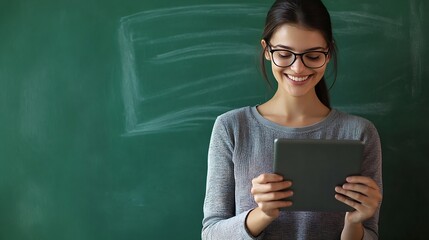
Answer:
(296, 37)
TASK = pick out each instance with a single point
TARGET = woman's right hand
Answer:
(269, 191)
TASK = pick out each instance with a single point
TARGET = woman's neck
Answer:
(294, 111)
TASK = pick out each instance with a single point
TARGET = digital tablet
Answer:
(315, 168)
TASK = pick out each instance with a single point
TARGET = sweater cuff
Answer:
(245, 231)
(369, 235)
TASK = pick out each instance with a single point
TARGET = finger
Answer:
(360, 188)
(272, 196)
(342, 196)
(371, 199)
(267, 178)
(363, 180)
(270, 187)
(363, 189)
(357, 197)
(348, 201)
(268, 206)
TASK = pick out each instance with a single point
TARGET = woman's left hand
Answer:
(362, 194)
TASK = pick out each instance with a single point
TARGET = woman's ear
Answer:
(265, 48)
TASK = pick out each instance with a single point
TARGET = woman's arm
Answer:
(364, 193)
(220, 219)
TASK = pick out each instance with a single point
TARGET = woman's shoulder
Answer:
(353, 121)
(232, 120)
(234, 115)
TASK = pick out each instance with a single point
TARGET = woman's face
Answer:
(296, 80)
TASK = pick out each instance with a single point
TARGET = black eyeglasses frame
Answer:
(271, 50)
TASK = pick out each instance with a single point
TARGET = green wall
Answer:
(107, 109)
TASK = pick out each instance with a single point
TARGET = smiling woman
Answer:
(298, 78)
(243, 196)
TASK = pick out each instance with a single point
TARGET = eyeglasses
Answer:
(310, 59)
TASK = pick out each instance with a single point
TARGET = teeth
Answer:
(297, 79)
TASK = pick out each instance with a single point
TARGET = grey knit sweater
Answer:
(241, 148)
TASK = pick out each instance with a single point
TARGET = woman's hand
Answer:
(362, 194)
(269, 192)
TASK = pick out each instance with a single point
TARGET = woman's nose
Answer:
(298, 66)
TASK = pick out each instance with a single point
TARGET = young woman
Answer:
(243, 197)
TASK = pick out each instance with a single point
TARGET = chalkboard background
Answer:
(107, 109)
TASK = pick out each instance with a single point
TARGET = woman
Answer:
(243, 197)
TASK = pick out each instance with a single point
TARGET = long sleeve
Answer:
(371, 167)
(220, 219)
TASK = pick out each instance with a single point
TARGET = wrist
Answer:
(257, 221)
(352, 230)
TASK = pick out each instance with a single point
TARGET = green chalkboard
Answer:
(107, 109)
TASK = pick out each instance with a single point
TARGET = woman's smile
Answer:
(301, 79)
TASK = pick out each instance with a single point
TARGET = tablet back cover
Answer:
(315, 167)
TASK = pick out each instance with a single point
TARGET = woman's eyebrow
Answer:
(293, 49)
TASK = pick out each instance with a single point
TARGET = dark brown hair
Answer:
(311, 14)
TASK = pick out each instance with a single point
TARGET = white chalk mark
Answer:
(417, 45)
(363, 22)
(135, 37)
(239, 78)
(389, 83)
(204, 50)
(130, 81)
(367, 108)
(204, 10)
(178, 121)
(226, 102)
(192, 36)
(199, 83)
(365, 18)
(186, 119)
(219, 87)
(32, 205)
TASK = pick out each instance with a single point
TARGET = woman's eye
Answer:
(312, 57)
(284, 54)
